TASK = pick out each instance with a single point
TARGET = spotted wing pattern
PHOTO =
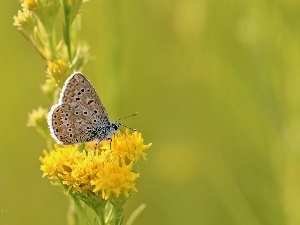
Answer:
(79, 116)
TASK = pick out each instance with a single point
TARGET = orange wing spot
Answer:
(59, 130)
(57, 122)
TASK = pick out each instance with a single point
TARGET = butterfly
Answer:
(79, 116)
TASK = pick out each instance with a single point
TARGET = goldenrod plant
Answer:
(101, 176)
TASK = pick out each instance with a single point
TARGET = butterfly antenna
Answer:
(128, 127)
(134, 114)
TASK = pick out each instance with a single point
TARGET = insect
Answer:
(79, 116)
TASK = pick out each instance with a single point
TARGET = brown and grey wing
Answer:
(78, 90)
(73, 123)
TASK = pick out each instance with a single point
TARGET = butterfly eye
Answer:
(115, 126)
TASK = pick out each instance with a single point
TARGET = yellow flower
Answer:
(60, 160)
(107, 173)
(125, 145)
(114, 179)
(45, 10)
(58, 70)
(37, 119)
(29, 4)
(25, 21)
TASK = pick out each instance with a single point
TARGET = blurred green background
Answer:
(217, 85)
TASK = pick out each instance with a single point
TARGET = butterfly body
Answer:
(79, 116)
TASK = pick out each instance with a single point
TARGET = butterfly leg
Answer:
(110, 140)
(95, 148)
(97, 141)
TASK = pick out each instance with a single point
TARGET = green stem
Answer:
(109, 215)
(66, 28)
(51, 43)
(100, 215)
(119, 215)
(135, 213)
(38, 48)
(81, 210)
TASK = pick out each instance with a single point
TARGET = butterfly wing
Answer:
(78, 90)
(79, 113)
(70, 124)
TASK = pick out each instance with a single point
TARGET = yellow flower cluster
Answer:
(38, 118)
(107, 172)
(25, 21)
(58, 69)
